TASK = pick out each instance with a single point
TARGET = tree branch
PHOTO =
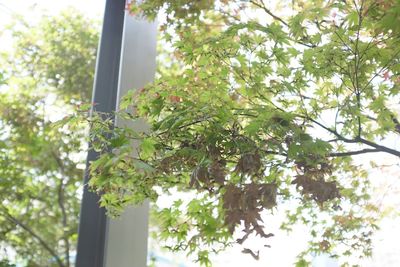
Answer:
(396, 123)
(355, 140)
(388, 64)
(352, 153)
(35, 236)
(64, 221)
(392, 116)
(263, 7)
(61, 204)
(275, 17)
(380, 147)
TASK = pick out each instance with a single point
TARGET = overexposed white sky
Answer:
(34, 8)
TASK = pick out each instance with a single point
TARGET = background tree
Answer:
(49, 70)
(6, 263)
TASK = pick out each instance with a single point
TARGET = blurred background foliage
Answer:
(47, 72)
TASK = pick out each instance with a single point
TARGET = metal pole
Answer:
(126, 241)
(92, 225)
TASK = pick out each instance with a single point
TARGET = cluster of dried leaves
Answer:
(245, 204)
(311, 182)
(245, 199)
(241, 202)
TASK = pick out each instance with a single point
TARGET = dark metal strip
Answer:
(92, 226)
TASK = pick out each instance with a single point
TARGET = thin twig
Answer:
(35, 236)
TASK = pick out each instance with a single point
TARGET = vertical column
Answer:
(92, 225)
(126, 241)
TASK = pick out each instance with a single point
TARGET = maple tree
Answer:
(257, 106)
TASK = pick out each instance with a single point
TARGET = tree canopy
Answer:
(260, 105)
(48, 71)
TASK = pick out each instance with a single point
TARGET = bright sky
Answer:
(284, 247)
(34, 8)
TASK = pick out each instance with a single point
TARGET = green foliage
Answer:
(258, 111)
(2, 81)
(6, 263)
(39, 50)
(49, 68)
